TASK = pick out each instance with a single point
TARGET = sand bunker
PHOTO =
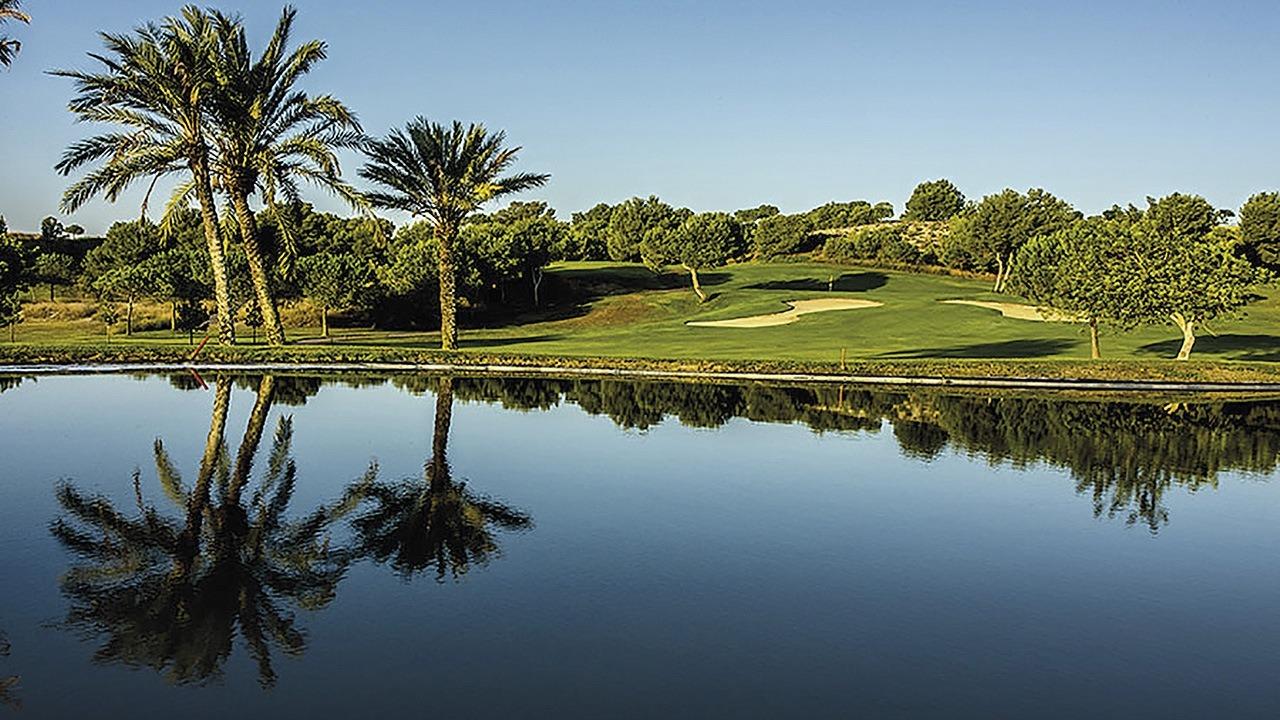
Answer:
(1020, 312)
(798, 308)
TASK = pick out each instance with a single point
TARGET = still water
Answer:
(283, 547)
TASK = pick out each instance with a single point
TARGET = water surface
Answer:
(282, 546)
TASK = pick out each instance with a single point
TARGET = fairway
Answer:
(625, 310)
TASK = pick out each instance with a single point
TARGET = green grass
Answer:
(630, 313)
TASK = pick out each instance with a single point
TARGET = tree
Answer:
(934, 201)
(702, 241)
(129, 283)
(836, 215)
(634, 219)
(10, 10)
(519, 240)
(15, 261)
(778, 235)
(1260, 229)
(1184, 272)
(1083, 270)
(54, 269)
(158, 83)
(588, 234)
(335, 280)
(269, 135)
(1004, 222)
(443, 175)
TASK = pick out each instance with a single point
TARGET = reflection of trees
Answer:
(172, 593)
(435, 523)
(9, 684)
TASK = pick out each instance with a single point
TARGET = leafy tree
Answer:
(778, 235)
(443, 175)
(702, 241)
(1260, 229)
(835, 215)
(523, 239)
(15, 261)
(54, 269)
(634, 219)
(934, 201)
(270, 135)
(1184, 272)
(129, 283)
(1084, 270)
(157, 82)
(588, 234)
(252, 317)
(1002, 223)
(335, 280)
(10, 10)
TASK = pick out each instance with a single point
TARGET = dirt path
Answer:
(798, 308)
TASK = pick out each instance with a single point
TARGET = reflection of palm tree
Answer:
(439, 523)
(8, 685)
(172, 595)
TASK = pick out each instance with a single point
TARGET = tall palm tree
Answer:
(156, 82)
(443, 175)
(10, 10)
(173, 594)
(270, 135)
(439, 523)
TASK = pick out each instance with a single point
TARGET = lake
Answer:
(351, 546)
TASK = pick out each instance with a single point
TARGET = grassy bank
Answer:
(623, 316)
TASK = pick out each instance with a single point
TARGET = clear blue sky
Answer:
(722, 105)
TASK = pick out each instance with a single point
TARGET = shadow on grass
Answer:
(470, 343)
(1005, 349)
(1261, 348)
(848, 282)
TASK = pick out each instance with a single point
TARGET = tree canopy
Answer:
(934, 201)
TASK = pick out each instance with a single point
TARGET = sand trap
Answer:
(798, 308)
(1017, 311)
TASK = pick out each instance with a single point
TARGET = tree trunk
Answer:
(448, 289)
(13, 332)
(198, 499)
(128, 317)
(1095, 350)
(213, 238)
(537, 281)
(271, 324)
(697, 287)
(1188, 335)
(50, 292)
(173, 316)
(324, 321)
(252, 438)
(438, 470)
(999, 273)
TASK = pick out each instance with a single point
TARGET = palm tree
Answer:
(174, 594)
(157, 83)
(10, 10)
(443, 175)
(439, 523)
(270, 135)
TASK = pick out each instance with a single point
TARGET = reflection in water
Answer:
(436, 523)
(172, 593)
(8, 684)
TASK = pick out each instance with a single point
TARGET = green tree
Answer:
(1180, 218)
(443, 175)
(934, 201)
(1002, 223)
(778, 235)
(335, 280)
(588, 234)
(837, 215)
(129, 284)
(10, 10)
(1260, 229)
(156, 82)
(634, 219)
(702, 241)
(1083, 270)
(269, 135)
(54, 269)
(15, 263)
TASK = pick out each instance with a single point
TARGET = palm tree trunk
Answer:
(198, 500)
(257, 269)
(213, 238)
(440, 432)
(448, 289)
(252, 438)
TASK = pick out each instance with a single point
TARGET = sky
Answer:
(719, 105)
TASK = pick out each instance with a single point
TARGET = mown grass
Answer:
(624, 312)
